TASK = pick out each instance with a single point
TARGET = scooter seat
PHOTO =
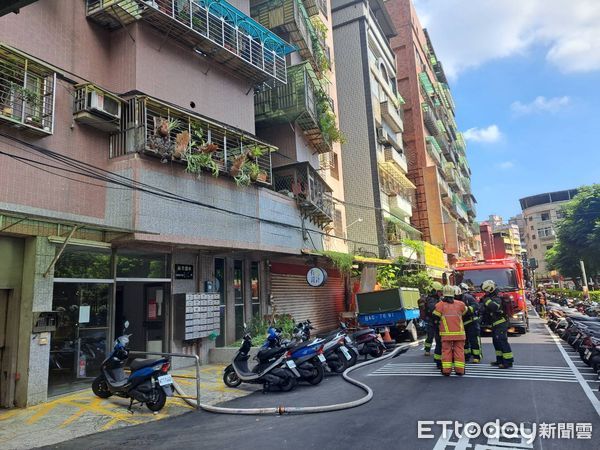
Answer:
(269, 353)
(139, 363)
(362, 332)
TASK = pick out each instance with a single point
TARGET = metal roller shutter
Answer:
(322, 305)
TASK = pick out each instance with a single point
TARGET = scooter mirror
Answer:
(126, 325)
(245, 326)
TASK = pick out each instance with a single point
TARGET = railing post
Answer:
(197, 382)
(191, 15)
(173, 9)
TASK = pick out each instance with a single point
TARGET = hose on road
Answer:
(307, 409)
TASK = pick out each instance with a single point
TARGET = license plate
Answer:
(291, 364)
(165, 380)
(348, 340)
(321, 358)
(345, 352)
(587, 354)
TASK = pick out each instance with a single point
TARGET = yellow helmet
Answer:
(488, 286)
(437, 286)
(448, 291)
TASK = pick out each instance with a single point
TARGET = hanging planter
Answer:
(182, 142)
(237, 164)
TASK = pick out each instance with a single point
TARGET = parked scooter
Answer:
(149, 382)
(271, 369)
(368, 342)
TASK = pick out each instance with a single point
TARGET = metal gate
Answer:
(322, 305)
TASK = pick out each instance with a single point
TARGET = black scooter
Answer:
(149, 382)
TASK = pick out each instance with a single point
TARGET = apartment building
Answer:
(541, 212)
(136, 167)
(444, 206)
(500, 239)
(378, 193)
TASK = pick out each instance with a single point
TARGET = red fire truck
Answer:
(508, 275)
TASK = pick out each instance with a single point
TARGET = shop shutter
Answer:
(322, 305)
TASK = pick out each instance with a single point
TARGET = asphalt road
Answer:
(541, 389)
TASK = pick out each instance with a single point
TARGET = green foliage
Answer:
(420, 280)
(388, 275)
(570, 293)
(327, 123)
(393, 276)
(578, 235)
(342, 261)
(198, 161)
(258, 327)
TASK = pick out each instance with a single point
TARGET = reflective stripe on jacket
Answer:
(451, 322)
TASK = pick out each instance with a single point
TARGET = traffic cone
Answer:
(387, 338)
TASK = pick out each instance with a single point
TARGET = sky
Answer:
(525, 76)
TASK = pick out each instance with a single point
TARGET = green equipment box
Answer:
(387, 300)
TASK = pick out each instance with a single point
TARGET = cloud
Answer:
(487, 135)
(540, 104)
(567, 30)
(506, 165)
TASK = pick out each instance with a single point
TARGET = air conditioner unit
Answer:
(383, 137)
(103, 104)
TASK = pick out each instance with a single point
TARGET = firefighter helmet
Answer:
(464, 287)
(437, 286)
(448, 291)
(488, 286)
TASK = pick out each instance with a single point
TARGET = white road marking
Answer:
(586, 388)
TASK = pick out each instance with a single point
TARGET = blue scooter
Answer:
(149, 382)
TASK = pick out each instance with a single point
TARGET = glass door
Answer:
(255, 286)
(238, 297)
(220, 287)
(79, 344)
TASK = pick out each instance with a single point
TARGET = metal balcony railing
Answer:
(296, 102)
(159, 129)
(212, 28)
(289, 16)
(26, 92)
(303, 183)
(313, 7)
(434, 149)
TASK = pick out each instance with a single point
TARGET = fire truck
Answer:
(508, 275)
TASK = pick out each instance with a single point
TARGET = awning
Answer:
(396, 174)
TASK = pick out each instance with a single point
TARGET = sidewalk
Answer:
(81, 413)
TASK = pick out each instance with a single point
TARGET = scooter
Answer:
(368, 342)
(271, 369)
(149, 382)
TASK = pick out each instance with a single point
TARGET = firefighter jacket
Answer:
(494, 313)
(432, 301)
(450, 314)
(472, 313)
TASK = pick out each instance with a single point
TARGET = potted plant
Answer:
(262, 176)
(182, 142)
(252, 169)
(242, 179)
(160, 141)
(201, 155)
(255, 152)
(237, 163)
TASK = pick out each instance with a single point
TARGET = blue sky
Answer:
(526, 82)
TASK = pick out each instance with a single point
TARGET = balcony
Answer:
(26, 92)
(400, 204)
(459, 208)
(212, 28)
(451, 174)
(158, 129)
(390, 114)
(444, 188)
(297, 102)
(434, 149)
(290, 16)
(313, 7)
(397, 230)
(394, 157)
(429, 119)
(302, 182)
(393, 182)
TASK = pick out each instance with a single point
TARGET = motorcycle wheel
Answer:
(230, 378)
(288, 384)
(318, 377)
(100, 388)
(377, 352)
(354, 358)
(160, 398)
(341, 364)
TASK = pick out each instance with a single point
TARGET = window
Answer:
(255, 287)
(532, 228)
(338, 226)
(545, 232)
(533, 236)
(546, 216)
(535, 246)
(334, 170)
(530, 219)
(548, 247)
(560, 214)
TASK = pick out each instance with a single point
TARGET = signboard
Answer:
(316, 277)
(184, 272)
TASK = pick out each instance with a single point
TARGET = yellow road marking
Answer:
(43, 410)
(72, 418)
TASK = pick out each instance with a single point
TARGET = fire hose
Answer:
(307, 409)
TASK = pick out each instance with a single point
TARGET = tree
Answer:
(578, 235)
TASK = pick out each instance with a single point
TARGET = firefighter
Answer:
(432, 301)
(449, 313)
(427, 306)
(471, 323)
(540, 300)
(497, 318)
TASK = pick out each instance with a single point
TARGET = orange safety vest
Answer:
(451, 320)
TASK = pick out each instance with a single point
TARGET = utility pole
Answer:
(586, 291)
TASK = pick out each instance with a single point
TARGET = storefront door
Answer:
(79, 344)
